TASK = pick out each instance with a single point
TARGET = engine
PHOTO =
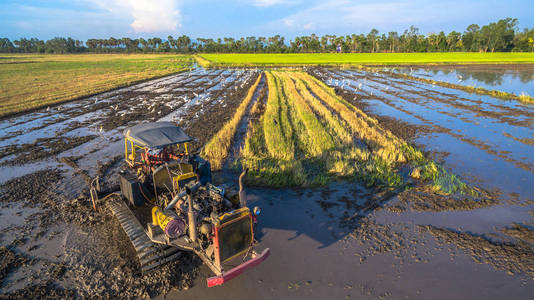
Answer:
(209, 203)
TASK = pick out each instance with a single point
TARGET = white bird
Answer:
(48, 108)
(101, 129)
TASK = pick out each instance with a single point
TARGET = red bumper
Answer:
(218, 280)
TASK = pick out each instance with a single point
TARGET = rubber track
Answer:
(150, 254)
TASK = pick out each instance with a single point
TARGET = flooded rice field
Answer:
(341, 241)
(517, 79)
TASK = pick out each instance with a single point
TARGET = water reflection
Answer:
(504, 78)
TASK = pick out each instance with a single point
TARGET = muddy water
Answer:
(517, 79)
(314, 257)
(487, 141)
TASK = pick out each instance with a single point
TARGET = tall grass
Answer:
(301, 141)
(308, 135)
(317, 140)
(381, 141)
(217, 149)
(277, 128)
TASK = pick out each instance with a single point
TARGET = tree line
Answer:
(500, 36)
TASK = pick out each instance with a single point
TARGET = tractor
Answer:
(170, 190)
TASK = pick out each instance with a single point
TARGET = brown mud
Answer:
(510, 257)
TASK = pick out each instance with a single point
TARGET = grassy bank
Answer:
(32, 81)
(366, 58)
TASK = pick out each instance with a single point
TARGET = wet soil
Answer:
(77, 252)
(32, 189)
(421, 199)
(510, 257)
(41, 291)
(9, 260)
(42, 148)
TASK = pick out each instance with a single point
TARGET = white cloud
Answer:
(346, 15)
(266, 3)
(148, 15)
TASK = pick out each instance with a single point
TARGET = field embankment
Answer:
(31, 81)
(339, 59)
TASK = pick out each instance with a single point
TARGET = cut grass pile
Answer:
(217, 149)
(299, 59)
(32, 81)
(307, 135)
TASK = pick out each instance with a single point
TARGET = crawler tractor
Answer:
(170, 190)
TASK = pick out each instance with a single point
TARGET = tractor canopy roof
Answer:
(157, 134)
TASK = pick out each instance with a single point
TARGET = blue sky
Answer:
(83, 19)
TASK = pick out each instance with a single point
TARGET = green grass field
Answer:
(32, 81)
(366, 58)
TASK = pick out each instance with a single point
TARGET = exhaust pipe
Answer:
(242, 193)
(181, 195)
(191, 217)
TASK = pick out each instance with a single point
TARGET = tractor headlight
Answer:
(257, 211)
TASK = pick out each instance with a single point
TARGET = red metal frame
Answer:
(216, 237)
(225, 276)
(232, 273)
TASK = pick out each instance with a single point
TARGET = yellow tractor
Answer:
(170, 190)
